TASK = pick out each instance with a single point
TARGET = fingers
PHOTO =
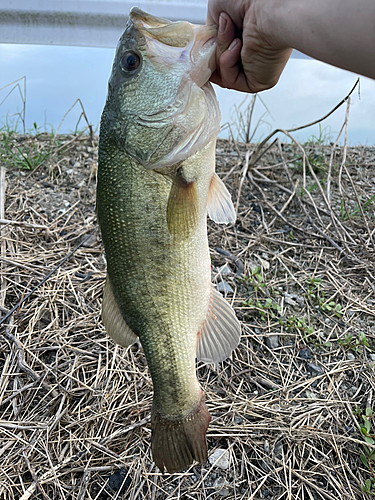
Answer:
(227, 53)
(229, 65)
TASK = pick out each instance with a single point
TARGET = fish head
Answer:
(160, 107)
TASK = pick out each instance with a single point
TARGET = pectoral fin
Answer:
(220, 332)
(182, 210)
(113, 320)
(219, 203)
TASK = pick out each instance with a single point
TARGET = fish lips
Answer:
(169, 43)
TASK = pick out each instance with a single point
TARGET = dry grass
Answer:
(74, 408)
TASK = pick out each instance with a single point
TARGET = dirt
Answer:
(289, 405)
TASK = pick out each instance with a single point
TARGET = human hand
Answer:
(247, 59)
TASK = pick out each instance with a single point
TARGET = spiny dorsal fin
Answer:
(219, 203)
(113, 320)
(182, 210)
(220, 332)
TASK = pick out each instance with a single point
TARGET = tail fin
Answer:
(176, 443)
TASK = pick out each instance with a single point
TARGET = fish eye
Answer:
(130, 61)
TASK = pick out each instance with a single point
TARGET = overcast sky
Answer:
(57, 76)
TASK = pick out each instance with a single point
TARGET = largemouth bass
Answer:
(156, 184)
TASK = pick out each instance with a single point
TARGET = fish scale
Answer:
(156, 182)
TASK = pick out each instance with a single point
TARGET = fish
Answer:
(156, 183)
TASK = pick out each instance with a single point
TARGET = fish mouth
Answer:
(203, 55)
(178, 42)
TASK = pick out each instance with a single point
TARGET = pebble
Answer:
(225, 270)
(223, 286)
(305, 353)
(314, 369)
(221, 484)
(278, 450)
(293, 299)
(311, 394)
(222, 457)
(350, 356)
(272, 341)
(372, 357)
(116, 481)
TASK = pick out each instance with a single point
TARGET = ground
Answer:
(292, 407)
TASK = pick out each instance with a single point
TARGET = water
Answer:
(57, 76)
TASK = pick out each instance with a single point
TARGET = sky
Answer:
(56, 76)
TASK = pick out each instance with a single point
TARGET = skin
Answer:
(256, 38)
(161, 282)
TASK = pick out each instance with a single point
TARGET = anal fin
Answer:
(113, 320)
(219, 203)
(220, 333)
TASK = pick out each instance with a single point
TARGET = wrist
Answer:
(272, 20)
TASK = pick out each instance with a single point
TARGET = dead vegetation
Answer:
(292, 408)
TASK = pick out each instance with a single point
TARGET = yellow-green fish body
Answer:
(156, 182)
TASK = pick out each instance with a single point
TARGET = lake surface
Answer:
(308, 89)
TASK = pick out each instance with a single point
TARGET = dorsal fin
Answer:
(182, 210)
(219, 203)
(220, 332)
(113, 320)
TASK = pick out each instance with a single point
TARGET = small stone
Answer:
(221, 484)
(117, 481)
(293, 299)
(289, 300)
(305, 353)
(238, 420)
(223, 286)
(311, 394)
(372, 357)
(225, 270)
(221, 457)
(278, 450)
(77, 164)
(88, 242)
(350, 356)
(314, 369)
(272, 341)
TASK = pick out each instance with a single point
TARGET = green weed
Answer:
(296, 323)
(355, 343)
(346, 215)
(367, 457)
(317, 296)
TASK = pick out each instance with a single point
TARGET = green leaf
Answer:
(369, 440)
(364, 460)
(368, 411)
(367, 425)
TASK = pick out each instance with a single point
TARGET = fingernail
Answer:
(233, 44)
(222, 24)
